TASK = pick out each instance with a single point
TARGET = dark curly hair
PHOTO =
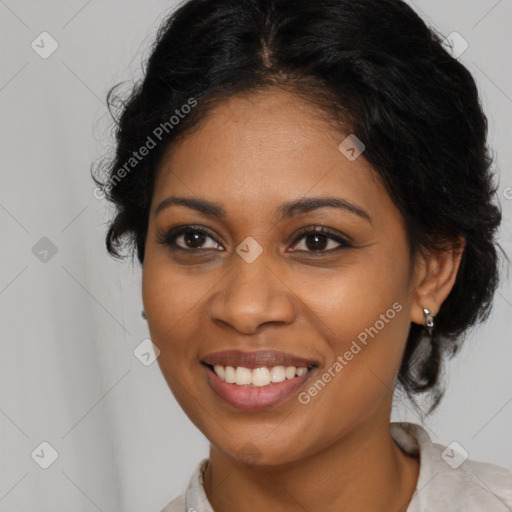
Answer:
(371, 67)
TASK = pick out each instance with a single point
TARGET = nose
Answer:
(251, 295)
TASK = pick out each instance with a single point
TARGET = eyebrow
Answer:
(285, 211)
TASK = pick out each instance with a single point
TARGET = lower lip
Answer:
(255, 398)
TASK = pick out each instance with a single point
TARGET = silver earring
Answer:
(143, 314)
(429, 321)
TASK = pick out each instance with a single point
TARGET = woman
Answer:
(307, 187)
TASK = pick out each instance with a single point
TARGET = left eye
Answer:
(320, 240)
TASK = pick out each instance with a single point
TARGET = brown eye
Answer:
(320, 240)
(190, 238)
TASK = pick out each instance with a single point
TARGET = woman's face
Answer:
(341, 300)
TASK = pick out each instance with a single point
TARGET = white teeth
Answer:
(258, 377)
(242, 375)
(219, 370)
(290, 372)
(301, 371)
(278, 374)
(229, 374)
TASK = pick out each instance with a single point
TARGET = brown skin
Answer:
(251, 154)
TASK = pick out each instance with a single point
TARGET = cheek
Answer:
(364, 313)
(355, 295)
(171, 293)
(365, 328)
(170, 302)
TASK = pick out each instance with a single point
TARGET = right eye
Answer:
(189, 238)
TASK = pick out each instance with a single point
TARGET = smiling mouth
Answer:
(254, 380)
(266, 387)
(257, 377)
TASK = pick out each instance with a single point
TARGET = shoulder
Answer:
(449, 480)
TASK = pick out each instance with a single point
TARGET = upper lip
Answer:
(256, 359)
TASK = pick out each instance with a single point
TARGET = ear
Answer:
(435, 275)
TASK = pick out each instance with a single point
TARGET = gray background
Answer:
(69, 325)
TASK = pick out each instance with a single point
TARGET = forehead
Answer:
(265, 148)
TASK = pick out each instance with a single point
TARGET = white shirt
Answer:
(445, 483)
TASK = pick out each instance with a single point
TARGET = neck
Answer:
(364, 470)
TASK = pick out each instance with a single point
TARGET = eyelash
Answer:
(170, 237)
